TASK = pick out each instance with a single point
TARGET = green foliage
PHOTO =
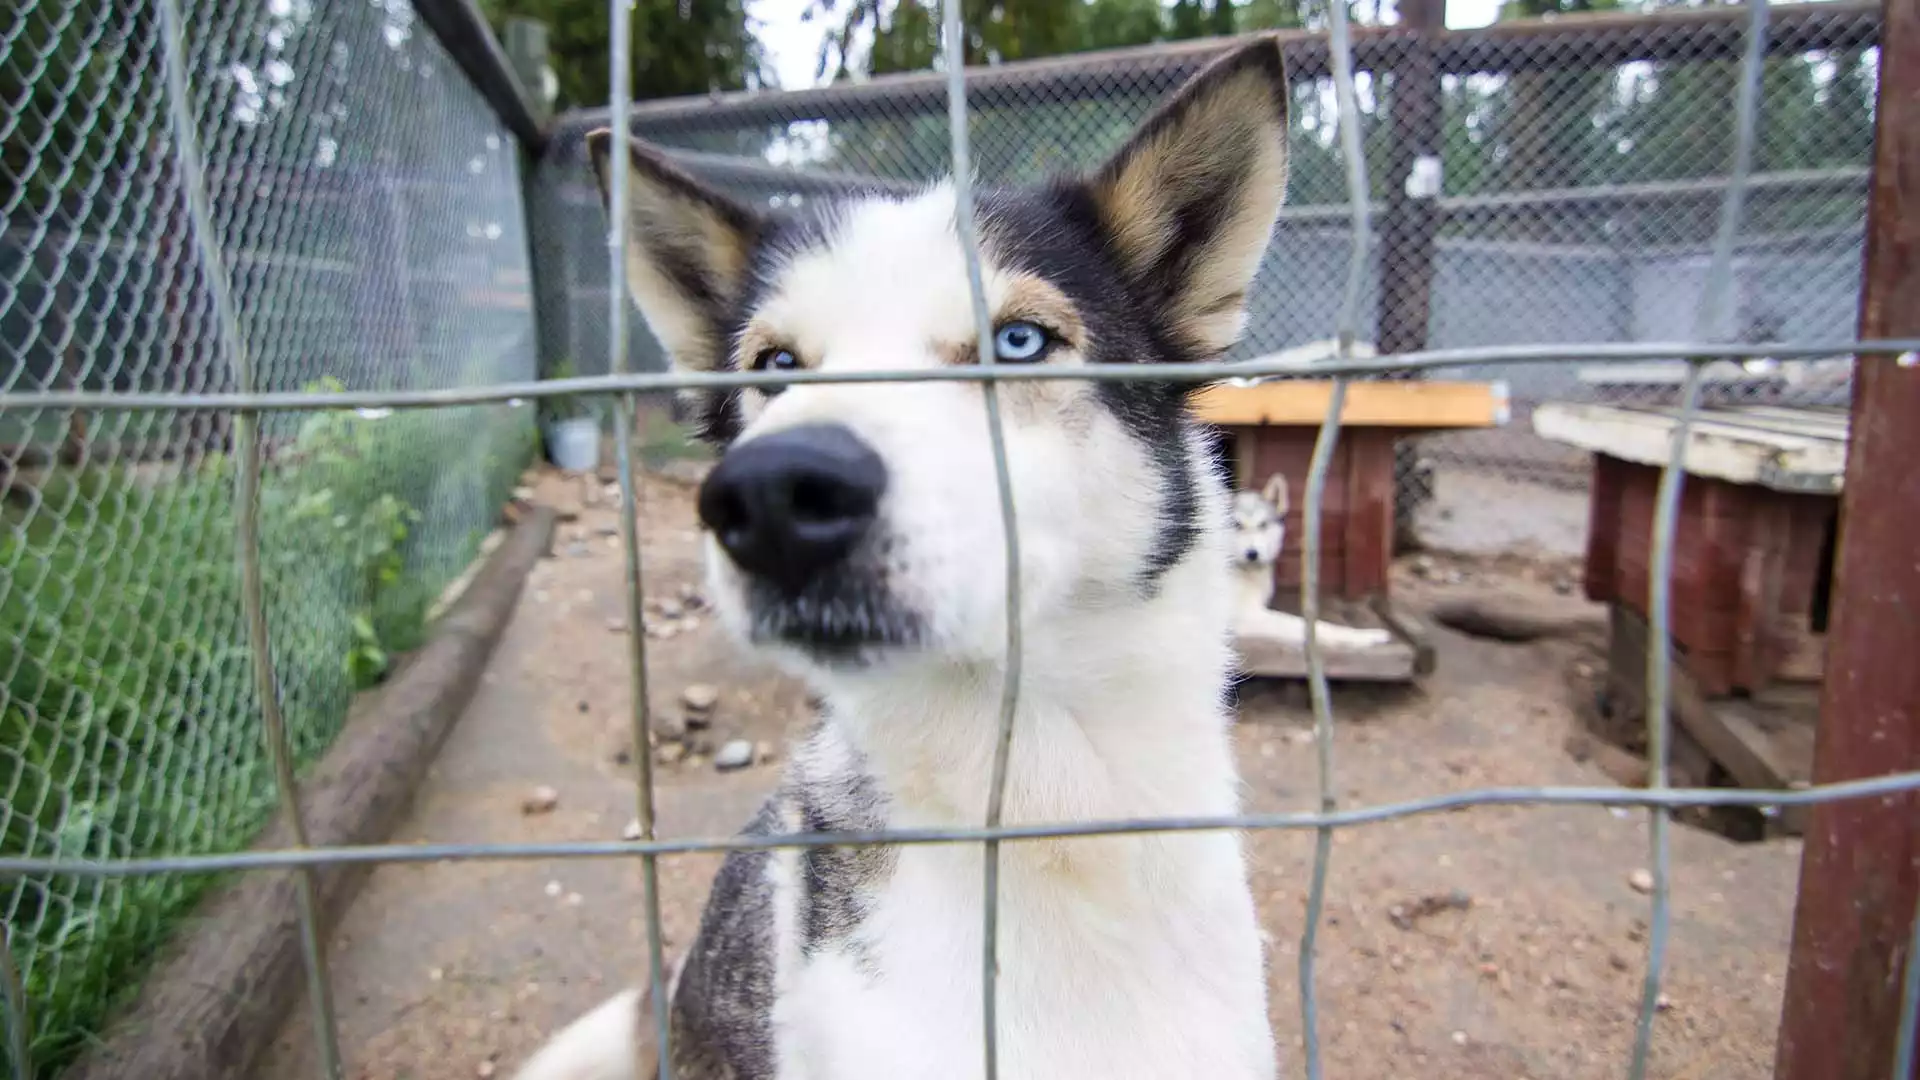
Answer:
(679, 47)
(128, 714)
(561, 407)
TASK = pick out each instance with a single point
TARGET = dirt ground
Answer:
(1530, 966)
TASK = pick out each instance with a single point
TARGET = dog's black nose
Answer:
(788, 505)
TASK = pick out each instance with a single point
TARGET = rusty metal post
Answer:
(1860, 873)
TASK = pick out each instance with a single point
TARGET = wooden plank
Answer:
(1860, 870)
(1395, 661)
(1763, 564)
(1761, 744)
(1368, 541)
(1410, 629)
(1741, 455)
(1423, 404)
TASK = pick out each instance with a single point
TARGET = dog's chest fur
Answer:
(1120, 957)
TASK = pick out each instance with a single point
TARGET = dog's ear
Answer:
(1276, 493)
(1188, 204)
(687, 250)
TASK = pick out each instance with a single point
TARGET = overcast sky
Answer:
(793, 47)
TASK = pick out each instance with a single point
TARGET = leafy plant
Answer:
(128, 719)
(561, 407)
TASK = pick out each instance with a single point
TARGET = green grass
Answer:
(128, 719)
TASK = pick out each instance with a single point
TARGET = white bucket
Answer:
(574, 445)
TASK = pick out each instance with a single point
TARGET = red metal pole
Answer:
(1860, 871)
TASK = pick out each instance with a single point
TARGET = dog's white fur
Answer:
(1121, 958)
(1259, 532)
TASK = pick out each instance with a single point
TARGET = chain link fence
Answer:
(1528, 192)
(1533, 183)
(365, 244)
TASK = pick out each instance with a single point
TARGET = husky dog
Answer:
(1259, 530)
(854, 536)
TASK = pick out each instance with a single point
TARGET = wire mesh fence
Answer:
(359, 245)
(1534, 184)
(1573, 212)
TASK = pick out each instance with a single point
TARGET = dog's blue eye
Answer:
(776, 360)
(1019, 343)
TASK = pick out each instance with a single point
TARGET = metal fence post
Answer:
(1860, 872)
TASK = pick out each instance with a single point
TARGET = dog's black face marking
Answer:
(840, 883)
(1055, 234)
(842, 620)
(722, 1014)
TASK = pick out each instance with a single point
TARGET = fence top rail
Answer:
(469, 40)
(1604, 39)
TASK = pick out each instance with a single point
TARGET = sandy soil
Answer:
(452, 971)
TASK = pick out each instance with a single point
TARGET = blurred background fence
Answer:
(1539, 180)
(367, 208)
(1535, 181)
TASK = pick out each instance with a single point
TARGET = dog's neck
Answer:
(1120, 714)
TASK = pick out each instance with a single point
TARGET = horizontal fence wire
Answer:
(1899, 350)
(1373, 814)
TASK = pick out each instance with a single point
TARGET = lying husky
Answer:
(1259, 530)
(854, 535)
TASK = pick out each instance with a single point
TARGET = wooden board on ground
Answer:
(1398, 660)
(1763, 742)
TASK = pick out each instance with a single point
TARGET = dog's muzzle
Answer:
(790, 507)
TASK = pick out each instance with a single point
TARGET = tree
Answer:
(678, 47)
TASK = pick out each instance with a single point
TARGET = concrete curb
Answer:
(221, 993)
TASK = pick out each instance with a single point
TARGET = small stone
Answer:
(632, 831)
(700, 697)
(607, 530)
(524, 494)
(1617, 962)
(671, 754)
(583, 706)
(672, 609)
(1641, 880)
(737, 754)
(554, 889)
(1663, 1003)
(540, 800)
(1459, 1038)
(577, 550)
(436, 974)
(485, 1069)
(574, 899)
(1563, 586)
(763, 752)
(617, 624)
